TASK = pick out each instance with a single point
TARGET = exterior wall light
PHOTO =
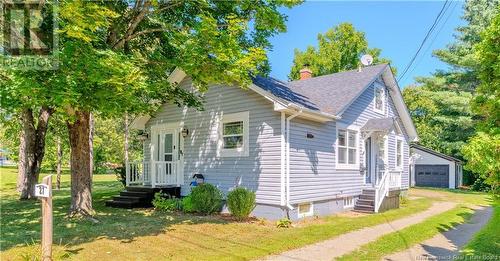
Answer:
(185, 132)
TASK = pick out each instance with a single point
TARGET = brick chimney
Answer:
(305, 73)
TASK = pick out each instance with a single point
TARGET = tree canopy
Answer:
(339, 49)
(115, 58)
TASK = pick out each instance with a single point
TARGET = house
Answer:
(314, 146)
(433, 169)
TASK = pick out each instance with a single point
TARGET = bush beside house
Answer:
(241, 202)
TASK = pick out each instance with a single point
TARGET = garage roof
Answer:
(435, 153)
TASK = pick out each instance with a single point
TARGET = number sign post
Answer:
(44, 192)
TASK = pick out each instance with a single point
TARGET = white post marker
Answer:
(44, 192)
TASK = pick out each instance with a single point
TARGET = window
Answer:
(399, 153)
(232, 134)
(347, 148)
(348, 202)
(382, 149)
(305, 210)
(233, 141)
(379, 99)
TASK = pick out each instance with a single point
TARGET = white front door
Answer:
(165, 157)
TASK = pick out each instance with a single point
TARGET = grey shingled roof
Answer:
(328, 93)
(384, 124)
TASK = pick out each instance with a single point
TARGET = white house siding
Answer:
(313, 174)
(260, 171)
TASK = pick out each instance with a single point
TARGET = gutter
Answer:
(287, 159)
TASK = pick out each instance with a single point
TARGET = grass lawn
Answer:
(144, 234)
(406, 238)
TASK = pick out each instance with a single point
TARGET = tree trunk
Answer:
(59, 163)
(31, 150)
(80, 140)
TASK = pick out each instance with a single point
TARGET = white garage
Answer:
(430, 168)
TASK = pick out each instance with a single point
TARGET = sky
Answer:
(396, 27)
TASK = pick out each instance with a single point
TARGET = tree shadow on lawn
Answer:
(21, 220)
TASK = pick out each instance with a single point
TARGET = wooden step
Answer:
(139, 194)
(368, 192)
(367, 197)
(120, 204)
(128, 198)
(365, 202)
(370, 209)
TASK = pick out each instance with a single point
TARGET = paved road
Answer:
(346, 243)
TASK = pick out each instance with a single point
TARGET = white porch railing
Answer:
(153, 173)
(381, 188)
(137, 173)
(164, 173)
(395, 179)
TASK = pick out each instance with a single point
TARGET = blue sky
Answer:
(396, 27)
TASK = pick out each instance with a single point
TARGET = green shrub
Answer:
(164, 202)
(241, 202)
(284, 223)
(206, 198)
(187, 204)
(480, 185)
(403, 199)
(120, 173)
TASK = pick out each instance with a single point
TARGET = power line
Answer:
(429, 32)
(434, 38)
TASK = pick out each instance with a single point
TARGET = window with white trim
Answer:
(347, 148)
(379, 99)
(348, 202)
(399, 153)
(305, 210)
(233, 134)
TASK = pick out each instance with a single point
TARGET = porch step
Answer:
(128, 198)
(140, 197)
(140, 194)
(120, 204)
(367, 197)
(368, 192)
(366, 201)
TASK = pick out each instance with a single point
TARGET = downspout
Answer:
(287, 173)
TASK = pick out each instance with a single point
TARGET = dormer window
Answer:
(379, 100)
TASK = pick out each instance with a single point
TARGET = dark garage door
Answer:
(432, 175)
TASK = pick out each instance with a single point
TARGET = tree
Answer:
(462, 74)
(32, 116)
(483, 150)
(339, 49)
(440, 104)
(443, 118)
(115, 58)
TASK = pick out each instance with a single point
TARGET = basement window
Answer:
(305, 210)
(348, 202)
